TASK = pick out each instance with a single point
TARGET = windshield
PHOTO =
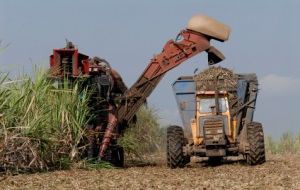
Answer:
(207, 104)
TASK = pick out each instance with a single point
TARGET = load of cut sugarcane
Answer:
(216, 77)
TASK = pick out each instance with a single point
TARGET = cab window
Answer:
(207, 104)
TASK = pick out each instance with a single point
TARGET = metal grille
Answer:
(212, 128)
(204, 119)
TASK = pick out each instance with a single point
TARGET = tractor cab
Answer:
(213, 118)
(210, 127)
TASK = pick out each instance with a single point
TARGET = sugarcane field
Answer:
(149, 95)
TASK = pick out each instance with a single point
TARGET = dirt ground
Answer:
(279, 172)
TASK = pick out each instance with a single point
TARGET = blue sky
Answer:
(265, 39)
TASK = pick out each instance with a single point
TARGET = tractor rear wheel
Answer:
(175, 143)
(255, 136)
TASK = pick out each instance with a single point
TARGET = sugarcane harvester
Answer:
(104, 84)
(189, 42)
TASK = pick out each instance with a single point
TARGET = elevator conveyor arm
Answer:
(194, 40)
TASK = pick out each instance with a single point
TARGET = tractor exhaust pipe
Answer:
(217, 96)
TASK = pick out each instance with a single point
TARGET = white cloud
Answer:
(273, 84)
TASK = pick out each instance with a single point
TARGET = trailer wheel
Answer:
(175, 143)
(117, 156)
(255, 137)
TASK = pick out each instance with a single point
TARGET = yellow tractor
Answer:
(216, 107)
